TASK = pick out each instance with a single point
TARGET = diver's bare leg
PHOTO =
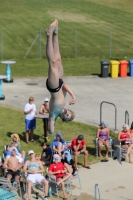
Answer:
(57, 51)
(53, 75)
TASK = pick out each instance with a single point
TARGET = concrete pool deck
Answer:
(115, 180)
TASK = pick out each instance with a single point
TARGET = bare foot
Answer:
(56, 28)
(51, 28)
(100, 155)
(106, 156)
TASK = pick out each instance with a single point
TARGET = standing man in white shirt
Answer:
(30, 121)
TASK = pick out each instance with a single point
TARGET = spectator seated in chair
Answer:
(103, 134)
(58, 169)
(68, 162)
(124, 137)
(59, 143)
(16, 141)
(8, 151)
(12, 164)
(78, 147)
(46, 160)
(34, 168)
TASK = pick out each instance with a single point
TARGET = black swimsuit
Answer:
(55, 89)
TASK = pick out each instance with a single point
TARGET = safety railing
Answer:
(97, 189)
(115, 112)
(126, 117)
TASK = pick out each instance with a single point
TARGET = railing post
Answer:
(126, 115)
(115, 112)
(97, 188)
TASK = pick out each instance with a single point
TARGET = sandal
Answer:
(87, 167)
(64, 198)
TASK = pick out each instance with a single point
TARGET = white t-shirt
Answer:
(30, 115)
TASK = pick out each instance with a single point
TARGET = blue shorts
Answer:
(30, 124)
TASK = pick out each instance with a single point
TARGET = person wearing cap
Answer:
(13, 164)
(55, 85)
(30, 121)
(103, 134)
(124, 137)
(78, 146)
(59, 143)
(58, 169)
(44, 109)
(34, 168)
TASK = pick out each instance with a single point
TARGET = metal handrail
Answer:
(97, 188)
(115, 112)
(126, 116)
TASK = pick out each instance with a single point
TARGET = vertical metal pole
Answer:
(0, 88)
(39, 43)
(75, 48)
(2, 45)
(110, 42)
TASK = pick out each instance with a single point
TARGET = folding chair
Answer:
(11, 186)
(110, 146)
(34, 185)
(76, 175)
(55, 190)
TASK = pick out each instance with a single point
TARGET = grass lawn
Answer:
(12, 121)
(89, 31)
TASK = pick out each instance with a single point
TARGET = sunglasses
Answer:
(31, 154)
(56, 158)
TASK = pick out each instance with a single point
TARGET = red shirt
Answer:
(54, 167)
(74, 143)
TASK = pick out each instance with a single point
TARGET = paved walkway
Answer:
(115, 180)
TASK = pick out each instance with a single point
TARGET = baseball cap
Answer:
(13, 148)
(46, 99)
(126, 126)
(31, 151)
(80, 137)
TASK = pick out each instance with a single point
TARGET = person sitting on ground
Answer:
(44, 109)
(126, 142)
(103, 134)
(59, 170)
(78, 146)
(34, 168)
(55, 85)
(16, 141)
(59, 143)
(48, 154)
(13, 164)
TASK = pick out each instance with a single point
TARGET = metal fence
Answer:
(76, 43)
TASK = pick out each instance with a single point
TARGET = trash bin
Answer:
(114, 68)
(104, 69)
(131, 68)
(123, 68)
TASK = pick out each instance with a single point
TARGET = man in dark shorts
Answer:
(13, 163)
(78, 146)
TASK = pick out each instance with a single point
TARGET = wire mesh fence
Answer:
(76, 43)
